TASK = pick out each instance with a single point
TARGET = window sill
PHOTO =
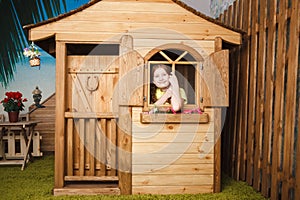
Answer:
(147, 118)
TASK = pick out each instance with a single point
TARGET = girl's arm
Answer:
(176, 99)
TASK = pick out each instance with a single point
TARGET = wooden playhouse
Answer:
(105, 140)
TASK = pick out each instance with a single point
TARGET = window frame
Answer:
(173, 63)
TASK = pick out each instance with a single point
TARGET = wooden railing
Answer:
(261, 142)
(91, 145)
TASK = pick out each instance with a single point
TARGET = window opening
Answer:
(183, 64)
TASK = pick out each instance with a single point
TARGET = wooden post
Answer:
(60, 119)
(124, 153)
(217, 135)
(124, 124)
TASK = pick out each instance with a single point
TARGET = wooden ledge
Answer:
(147, 118)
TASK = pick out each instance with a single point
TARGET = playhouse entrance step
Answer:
(89, 185)
(87, 189)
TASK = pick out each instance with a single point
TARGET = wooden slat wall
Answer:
(172, 158)
(261, 133)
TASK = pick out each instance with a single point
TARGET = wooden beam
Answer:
(60, 118)
(217, 136)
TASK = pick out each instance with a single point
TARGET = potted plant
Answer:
(33, 54)
(13, 104)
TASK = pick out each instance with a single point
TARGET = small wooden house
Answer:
(105, 140)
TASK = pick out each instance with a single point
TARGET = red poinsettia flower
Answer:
(13, 101)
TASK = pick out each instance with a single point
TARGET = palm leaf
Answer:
(13, 38)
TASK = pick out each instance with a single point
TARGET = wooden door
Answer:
(91, 129)
(100, 92)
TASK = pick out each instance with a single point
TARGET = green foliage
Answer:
(36, 182)
(13, 38)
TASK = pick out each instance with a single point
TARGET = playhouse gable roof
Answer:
(99, 20)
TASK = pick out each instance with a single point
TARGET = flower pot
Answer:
(13, 116)
(35, 62)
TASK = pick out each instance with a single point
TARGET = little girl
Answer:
(167, 90)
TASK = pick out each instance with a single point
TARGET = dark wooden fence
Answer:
(261, 141)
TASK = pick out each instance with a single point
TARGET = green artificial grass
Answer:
(36, 182)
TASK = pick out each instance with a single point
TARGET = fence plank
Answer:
(252, 92)
(237, 118)
(260, 96)
(297, 157)
(279, 93)
(291, 89)
(269, 91)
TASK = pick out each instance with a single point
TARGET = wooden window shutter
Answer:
(215, 80)
(131, 74)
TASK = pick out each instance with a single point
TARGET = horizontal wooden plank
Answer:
(89, 115)
(11, 162)
(173, 137)
(176, 159)
(182, 189)
(136, 113)
(171, 180)
(172, 148)
(174, 118)
(207, 168)
(151, 129)
(91, 178)
(86, 191)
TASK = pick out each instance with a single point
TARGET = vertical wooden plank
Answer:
(240, 16)
(237, 117)
(131, 74)
(70, 147)
(59, 114)
(217, 150)
(103, 131)
(76, 147)
(87, 156)
(229, 16)
(109, 147)
(226, 18)
(11, 144)
(235, 13)
(217, 135)
(244, 50)
(98, 132)
(260, 96)
(113, 149)
(279, 93)
(92, 140)
(290, 102)
(269, 91)
(245, 54)
(252, 92)
(295, 22)
(297, 158)
(125, 149)
(81, 146)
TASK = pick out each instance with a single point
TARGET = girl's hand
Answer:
(173, 81)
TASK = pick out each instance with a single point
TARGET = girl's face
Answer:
(161, 78)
